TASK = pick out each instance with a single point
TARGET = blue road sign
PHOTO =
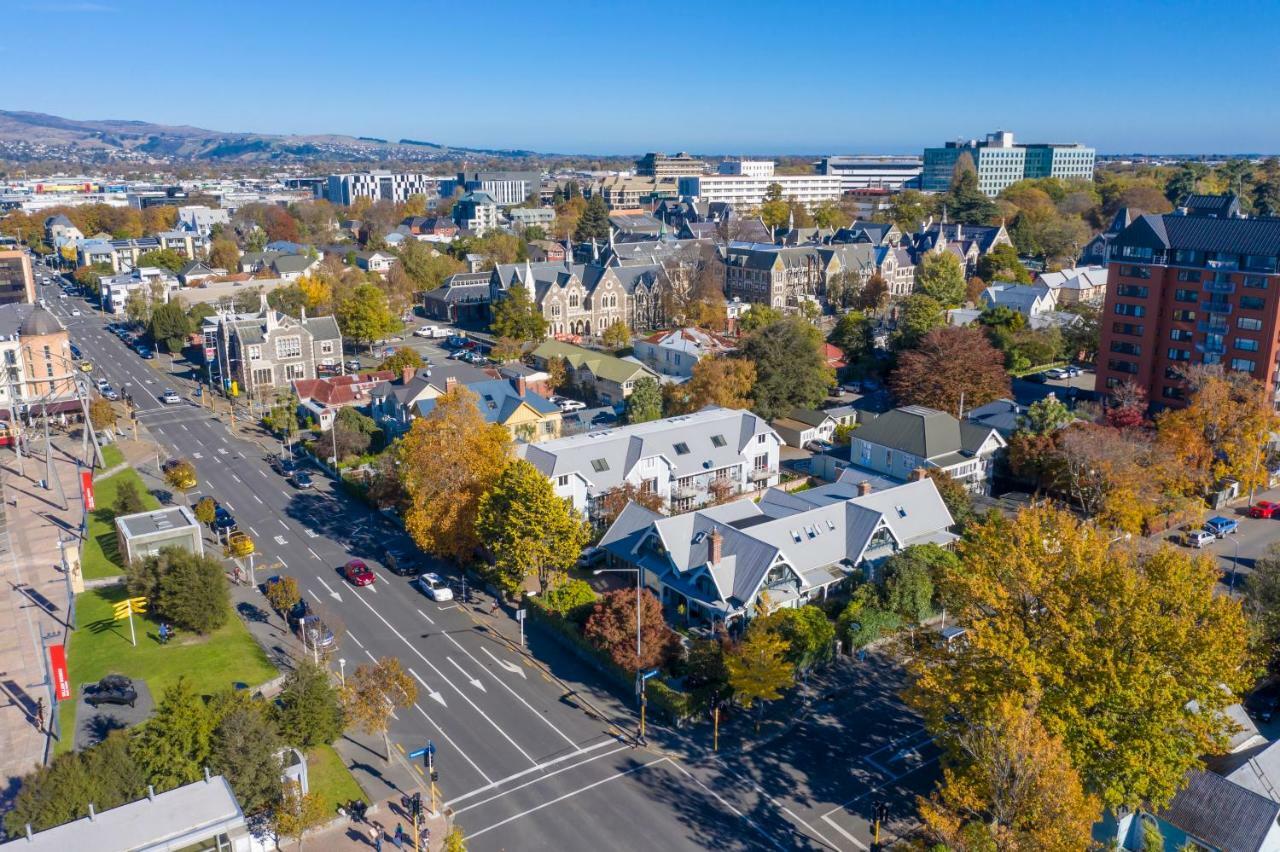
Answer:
(649, 674)
(423, 752)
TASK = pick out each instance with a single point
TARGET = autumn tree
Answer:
(612, 501)
(317, 292)
(759, 670)
(1115, 643)
(206, 509)
(774, 210)
(403, 357)
(941, 277)
(223, 254)
(297, 814)
(180, 475)
(951, 366)
(717, 380)
(102, 414)
(449, 460)
(1262, 603)
(874, 295)
(517, 317)
(364, 316)
(530, 531)
(373, 692)
(616, 336)
(283, 594)
(1009, 784)
(918, 314)
(791, 368)
(612, 628)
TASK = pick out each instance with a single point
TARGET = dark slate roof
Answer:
(497, 400)
(39, 321)
(1223, 206)
(1201, 233)
(323, 328)
(1222, 814)
(924, 432)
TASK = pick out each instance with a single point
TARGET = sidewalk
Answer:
(36, 596)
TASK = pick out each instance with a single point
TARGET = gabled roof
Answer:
(288, 263)
(497, 400)
(601, 365)
(341, 390)
(1222, 814)
(323, 328)
(1223, 206)
(924, 432)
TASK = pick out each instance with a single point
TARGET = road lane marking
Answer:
(452, 685)
(236, 478)
(427, 617)
(450, 741)
(353, 638)
(786, 810)
(539, 768)
(569, 795)
(337, 597)
(259, 499)
(262, 473)
(505, 686)
(255, 532)
(511, 667)
(435, 696)
(855, 841)
(227, 503)
(283, 524)
(724, 802)
(313, 553)
(474, 681)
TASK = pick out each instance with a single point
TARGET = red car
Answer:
(357, 573)
(1264, 509)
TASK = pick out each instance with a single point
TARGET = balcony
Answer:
(762, 474)
(683, 492)
(1219, 286)
(1216, 347)
(1216, 307)
(1212, 327)
(1222, 264)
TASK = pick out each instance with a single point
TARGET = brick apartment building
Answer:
(1197, 286)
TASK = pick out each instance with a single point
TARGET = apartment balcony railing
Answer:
(1219, 286)
(762, 474)
(1212, 327)
(1214, 346)
(1222, 264)
(1214, 307)
(683, 492)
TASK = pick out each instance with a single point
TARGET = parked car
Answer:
(1198, 538)
(455, 341)
(435, 588)
(569, 405)
(222, 520)
(818, 446)
(110, 393)
(431, 331)
(112, 689)
(1038, 378)
(357, 573)
(1072, 370)
(170, 397)
(474, 357)
(75, 352)
(282, 465)
(1055, 373)
(1264, 509)
(1222, 527)
(301, 480)
(399, 561)
(315, 633)
(145, 353)
(1263, 701)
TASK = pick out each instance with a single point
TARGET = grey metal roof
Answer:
(923, 432)
(1257, 769)
(323, 328)
(161, 520)
(39, 321)
(1200, 233)
(1225, 815)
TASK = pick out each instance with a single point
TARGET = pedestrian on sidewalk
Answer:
(398, 839)
(375, 836)
(40, 715)
(493, 607)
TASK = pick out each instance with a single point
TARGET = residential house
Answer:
(720, 564)
(59, 231)
(375, 261)
(1210, 813)
(1003, 415)
(528, 416)
(687, 460)
(803, 425)
(1030, 300)
(904, 440)
(1080, 284)
(674, 353)
(523, 217)
(201, 219)
(291, 267)
(609, 379)
(321, 399)
(395, 402)
(155, 284)
(195, 271)
(269, 350)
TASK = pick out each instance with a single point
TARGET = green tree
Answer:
(965, 202)
(1002, 264)
(364, 316)
(427, 268)
(307, 712)
(517, 317)
(791, 368)
(1185, 181)
(162, 258)
(169, 325)
(864, 620)
(617, 335)
(594, 223)
(917, 316)
(137, 307)
(403, 357)
(645, 402)
(808, 634)
(89, 277)
(1266, 188)
(529, 530)
(174, 746)
(941, 277)
(909, 209)
(759, 669)
(184, 587)
(568, 596)
(908, 586)
(1045, 416)
(774, 211)
(1262, 603)
(245, 742)
(757, 318)
(958, 500)
(128, 501)
(852, 335)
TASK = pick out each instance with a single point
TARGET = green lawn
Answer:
(111, 456)
(329, 778)
(100, 557)
(100, 646)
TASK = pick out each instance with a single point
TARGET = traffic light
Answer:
(417, 804)
(882, 811)
(435, 774)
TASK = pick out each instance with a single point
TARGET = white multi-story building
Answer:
(868, 171)
(396, 187)
(747, 168)
(747, 191)
(201, 219)
(689, 460)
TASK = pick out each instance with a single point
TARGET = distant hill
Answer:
(33, 135)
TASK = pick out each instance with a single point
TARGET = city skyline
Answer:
(458, 79)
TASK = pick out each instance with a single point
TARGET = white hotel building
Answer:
(743, 183)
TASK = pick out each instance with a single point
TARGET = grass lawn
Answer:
(329, 779)
(111, 456)
(100, 646)
(99, 558)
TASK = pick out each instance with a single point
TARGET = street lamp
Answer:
(342, 671)
(640, 690)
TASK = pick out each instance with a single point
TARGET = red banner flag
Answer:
(58, 665)
(86, 487)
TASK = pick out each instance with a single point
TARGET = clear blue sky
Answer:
(613, 77)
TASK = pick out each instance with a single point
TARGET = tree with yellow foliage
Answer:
(717, 380)
(448, 461)
(317, 292)
(1116, 644)
(1009, 784)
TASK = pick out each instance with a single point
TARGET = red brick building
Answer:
(1199, 286)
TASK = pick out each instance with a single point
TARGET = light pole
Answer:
(640, 688)
(342, 671)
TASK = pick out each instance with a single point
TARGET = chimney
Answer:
(449, 383)
(521, 386)
(919, 474)
(406, 375)
(151, 792)
(864, 488)
(714, 543)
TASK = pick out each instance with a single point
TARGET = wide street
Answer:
(530, 755)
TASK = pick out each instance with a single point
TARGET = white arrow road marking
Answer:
(474, 681)
(511, 667)
(508, 688)
(435, 696)
(312, 533)
(280, 540)
(337, 597)
(222, 452)
(196, 456)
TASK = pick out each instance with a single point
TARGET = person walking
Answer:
(375, 837)
(398, 839)
(40, 715)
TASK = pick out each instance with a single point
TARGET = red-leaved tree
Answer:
(950, 363)
(612, 628)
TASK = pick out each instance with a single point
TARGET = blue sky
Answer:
(713, 77)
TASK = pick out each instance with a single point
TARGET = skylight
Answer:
(902, 513)
(717, 440)
(682, 449)
(599, 465)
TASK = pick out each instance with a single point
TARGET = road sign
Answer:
(520, 615)
(58, 665)
(649, 674)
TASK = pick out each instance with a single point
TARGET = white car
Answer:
(75, 312)
(1200, 538)
(170, 397)
(433, 587)
(569, 405)
(430, 331)
(1056, 373)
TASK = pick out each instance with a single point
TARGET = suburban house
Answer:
(803, 425)
(913, 437)
(321, 399)
(610, 379)
(528, 416)
(1079, 284)
(375, 261)
(1211, 812)
(1030, 300)
(673, 353)
(1003, 415)
(689, 460)
(715, 564)
(395, 402)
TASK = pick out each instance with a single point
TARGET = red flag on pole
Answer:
(86, 488)
(58, 665)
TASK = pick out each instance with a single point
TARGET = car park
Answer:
(112, 689)
(1222, 527)
(357, 573)
(1038, 378)
(475, 358)
(1264, 509)
(433, 587)
(1198, 538)
(455, 341)
(1055, 373)
(170, 397)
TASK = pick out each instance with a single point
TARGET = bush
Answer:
(863, 621)
(128, 499)
(189, 590)
(569, 598)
